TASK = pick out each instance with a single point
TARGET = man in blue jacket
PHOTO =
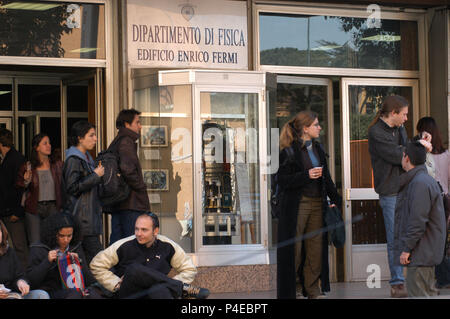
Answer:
(420, 227)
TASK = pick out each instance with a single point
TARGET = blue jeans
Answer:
(123, 223)
(37, 294)
(387, 204)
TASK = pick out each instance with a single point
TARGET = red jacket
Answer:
(32, 196)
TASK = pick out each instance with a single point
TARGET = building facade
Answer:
(215, 82)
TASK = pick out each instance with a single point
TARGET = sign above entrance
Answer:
(187, 33)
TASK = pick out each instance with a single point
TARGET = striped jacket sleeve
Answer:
(102, 263)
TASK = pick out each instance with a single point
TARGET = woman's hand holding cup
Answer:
(315, 173)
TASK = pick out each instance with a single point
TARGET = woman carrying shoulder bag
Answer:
(307, 183)
(41, 179)
(79, 184)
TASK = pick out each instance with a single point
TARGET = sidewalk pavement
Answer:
(340, 290)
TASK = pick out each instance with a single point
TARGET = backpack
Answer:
(276, 193)
(113, 189)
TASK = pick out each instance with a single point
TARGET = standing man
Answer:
(420, 226)
(11, 211)
(138, 266)
(387, 140)
(124, 216)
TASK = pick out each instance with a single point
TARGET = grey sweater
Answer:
(386, 145)
(420, 227)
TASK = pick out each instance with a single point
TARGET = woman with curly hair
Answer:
(60, 236)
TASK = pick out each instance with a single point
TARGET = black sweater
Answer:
(10, 270)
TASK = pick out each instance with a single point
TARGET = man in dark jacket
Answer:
(420, 228)
(125, 215)
(11, 212)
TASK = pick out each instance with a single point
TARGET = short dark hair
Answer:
(416, 153)
(79, 130)
(6, 137)
(126, 116)
(154, 218)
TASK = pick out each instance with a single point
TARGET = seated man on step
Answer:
(137, 266)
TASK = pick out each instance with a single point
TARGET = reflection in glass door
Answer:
(230, 168)
(366, 238)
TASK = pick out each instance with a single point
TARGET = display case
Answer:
(210, 125)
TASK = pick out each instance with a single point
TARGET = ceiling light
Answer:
(84, 50)
(383, 38)
(326, 47)
(4, 92)
(29, 6)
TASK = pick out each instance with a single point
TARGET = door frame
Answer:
(237, 253)
(363, 193)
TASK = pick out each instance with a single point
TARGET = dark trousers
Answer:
(33, 222)
(73, 294)
(143, 282)
(123, 223)
(91, 247)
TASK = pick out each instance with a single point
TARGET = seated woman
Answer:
(13, 284)
(60, 241)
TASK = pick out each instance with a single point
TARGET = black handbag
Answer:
(336, 232)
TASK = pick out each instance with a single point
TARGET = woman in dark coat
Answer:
(79, 183)
(306, 183)
(59, 235)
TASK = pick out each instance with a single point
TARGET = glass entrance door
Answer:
(366, 238)
(295, 94)
(81, 99)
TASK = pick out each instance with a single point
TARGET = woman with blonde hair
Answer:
(306, 183)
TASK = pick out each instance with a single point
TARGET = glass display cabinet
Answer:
(202, 148)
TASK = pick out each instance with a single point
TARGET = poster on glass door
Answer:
(187, 33)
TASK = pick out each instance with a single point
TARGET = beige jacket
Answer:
(102, 263)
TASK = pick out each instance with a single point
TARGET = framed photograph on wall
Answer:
(156, 179)
(154, 136)
(5, 122)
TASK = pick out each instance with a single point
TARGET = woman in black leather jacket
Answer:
(79, 183)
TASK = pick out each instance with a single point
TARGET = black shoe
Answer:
(191, 292)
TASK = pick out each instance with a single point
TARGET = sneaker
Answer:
(192, 292)
(398, 291)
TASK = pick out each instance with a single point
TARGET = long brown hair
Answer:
(392, 103)
(4, 243)
(428, 124)
(293, 129)
(34, 156)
